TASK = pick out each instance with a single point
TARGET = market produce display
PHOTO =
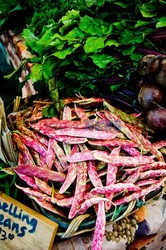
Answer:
(93, 155)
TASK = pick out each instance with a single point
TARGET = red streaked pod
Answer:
(154, 165)
(69, 100)
(76, 132)
(35, 117)
(71, 174)
(118, 187)
(115, 142)
(131, 151)
(99, 228)
(44, 187)
(139, 194)
(111, 176)
(21, 158)
(80, 189)
(59, 153)
(93, 175)
(28, 132)
(31, 143)
(160, 144)
(90, 202)
(31, 170)
(62, 124)
(66, 202)
(147, 145)
(26, 154)
(42, 139)
(146, 182)
(153, 174)
(37, 193)
(132, 170)
(48, 206)
(123, 128)
(50, 156)
(80, 156)
(29, 180)
(67, 113)
(123, 161)
(80, 113)
(133, 176)
(86, 101)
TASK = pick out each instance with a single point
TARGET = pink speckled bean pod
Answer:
(153, 174)
(160, 144)
(29, 180)
(50, 156)
(28, 159)
(154, 165)
(59, 153)
(99, 228)
(139, 194)
(133, 176)
(111, 177)
(115, 142)
(115, 188)
(91, 202)
(93, 175)
(31, 143)
(123, 161)
(67, 113)
(31, 170)
(131, 151)
(48, 206)
(146, 182)
(38, 194)
(66, 202)
(71, 174)
(80, 189)
(76, 132)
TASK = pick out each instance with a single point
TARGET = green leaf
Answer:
(102, 60)
(90, 3)
(50, 111)
(36, 72)
(141, 23)
(49, 65)
(94, 26)
(112, 42)
(121, 4)
(31, 39)
(128, 51)
(131, 37)
(94, 44)
(161, 23)
(70, 15)
(44, 43)
(79, 76)
(101, 2)
(148, 9)
(63, 53)
(120, 25)
(75, 33)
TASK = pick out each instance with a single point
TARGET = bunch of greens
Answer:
(87, 46)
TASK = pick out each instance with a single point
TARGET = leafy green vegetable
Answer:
(78, 43)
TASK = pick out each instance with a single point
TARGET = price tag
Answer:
(23, 228)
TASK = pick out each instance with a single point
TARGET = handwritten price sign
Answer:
(24, 228)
